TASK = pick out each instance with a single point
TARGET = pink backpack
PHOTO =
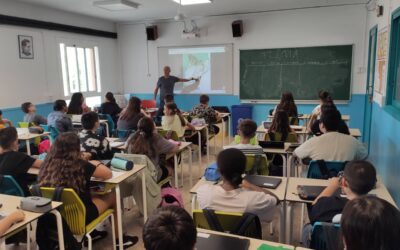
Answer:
(171, 197)
(44, 146)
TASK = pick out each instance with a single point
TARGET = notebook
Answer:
(263, 181)
(76, 118)
(217, 242)
(312, 192)
(272, 144)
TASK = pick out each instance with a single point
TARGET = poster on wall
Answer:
(25, 45)
(381, 59)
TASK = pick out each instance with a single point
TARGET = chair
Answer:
(325, 236)
(46, 128)
(23, 124)
(253, 141)
(54, 132)
(293, 121)
(316, 169)
(9, 186)
(123, 134)
(74, 213)
(292, 137)
(146, 104)
(168, 134)
(110, 122)
(257, 164)
(229, 222)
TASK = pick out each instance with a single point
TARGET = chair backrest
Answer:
(73, 210)
(253, 141)
(332, 169)
(278, 137)
(54, 133)
(257, 164)
(325, 236)
(8, 185)
(293, 120)
(123, 134)
(168, 134)
(23, 124)
(110, 122)
(46, 128)
(149, 104)
(229, 222)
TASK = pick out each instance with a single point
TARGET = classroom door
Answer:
(370, 85)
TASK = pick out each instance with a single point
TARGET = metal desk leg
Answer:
(194, 199)
(59, 229)
(284, 165)
(28, 147)
(208, 146)
(282, 226)
(119, 216)
(289, 222)
(229, 129)
(199, 136)
(144, 194)
(176, 171)
(107, 129)
(190, 168)
(223, 133)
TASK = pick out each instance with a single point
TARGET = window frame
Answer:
(394, 53)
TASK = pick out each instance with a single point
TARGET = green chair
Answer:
(229, 222)
(123, 134)
(23, 124)
(74, 213)
(9, 186)
(257, 164)
(168, 134)
(293, 121)
(292, 137)
(325, 236)
(321, 169)
(110, 122)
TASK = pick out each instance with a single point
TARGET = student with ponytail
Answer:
(174, 120)
(235, 194)
(148, 142)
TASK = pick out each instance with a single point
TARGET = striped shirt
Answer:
(247, 149)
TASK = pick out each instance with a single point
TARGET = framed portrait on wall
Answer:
(25, 45)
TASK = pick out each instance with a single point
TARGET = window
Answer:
(393, 86)
(80, 70)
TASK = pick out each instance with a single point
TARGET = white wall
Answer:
(307, 27)
(40, 80)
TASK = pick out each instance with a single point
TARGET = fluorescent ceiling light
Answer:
(189, 2)
(116, 5)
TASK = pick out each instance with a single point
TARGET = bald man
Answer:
(166, 84)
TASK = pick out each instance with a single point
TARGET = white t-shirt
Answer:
(173, 123)
(239, 200)
(317, 109)
(247, 148)
(332, 146)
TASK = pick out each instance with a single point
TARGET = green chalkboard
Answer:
(266, 73)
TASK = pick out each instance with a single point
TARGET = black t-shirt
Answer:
(85, 195)
(110, 108)
(17, 165)
(326, 208)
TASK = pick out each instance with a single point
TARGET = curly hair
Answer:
(63, 166)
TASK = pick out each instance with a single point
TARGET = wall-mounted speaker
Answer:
(237, 28)
(152, 33)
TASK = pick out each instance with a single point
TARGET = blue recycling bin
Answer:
(240, 112)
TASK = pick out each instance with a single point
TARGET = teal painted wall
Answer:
(385, 148)
(16, 114)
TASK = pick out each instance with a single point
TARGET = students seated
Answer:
(30, 114)
(207, 113)
(332, 145)
(10, 219)
(359, 178)
(324, 97)
(170, 228)
(247, 130)
(110, 107)
(97, 145)
(77, 104)
(343, 128)
(64, 166)
(173, 120)
(131, 115)
(287, 104)
(4, 122)
(15, 163)
(58, 119)
(147, 141)
(235, 194)
(370, 223)
(280, 125)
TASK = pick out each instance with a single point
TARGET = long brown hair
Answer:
(280, 124)
(63, 166)
(132, 109)
(141, 141)
(175, 111)
(287, 104)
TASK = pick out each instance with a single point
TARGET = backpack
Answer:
(171, 197)
(211, 173)
(46, 232)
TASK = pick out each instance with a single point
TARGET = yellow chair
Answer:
(292, 137)
(74, 213)
(257, 164)
(229, 222)
(293, 120)
(168, 134)
(26, 125)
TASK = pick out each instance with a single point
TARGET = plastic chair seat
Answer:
(92, 225)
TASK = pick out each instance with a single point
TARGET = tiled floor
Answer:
(133, 222)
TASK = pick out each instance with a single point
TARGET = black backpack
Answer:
(47, 234)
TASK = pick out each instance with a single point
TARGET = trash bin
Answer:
(240, 112)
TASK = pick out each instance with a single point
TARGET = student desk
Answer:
(29, 136)
(104, 122)
(303, 117)
(223, 115)
(113, 144)
(293, 197)
(10, 203)
(301, 131)
(355, 132)
(286, 157)
(254, 243)
(185, 146)
(280, 192)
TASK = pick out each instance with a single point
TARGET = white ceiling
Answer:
(164, 9)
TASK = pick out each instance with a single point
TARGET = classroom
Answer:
(199, 124)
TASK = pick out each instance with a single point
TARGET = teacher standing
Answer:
(166, 84)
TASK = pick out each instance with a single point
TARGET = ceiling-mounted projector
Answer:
(179, 17)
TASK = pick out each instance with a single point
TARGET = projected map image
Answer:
(197, 66)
